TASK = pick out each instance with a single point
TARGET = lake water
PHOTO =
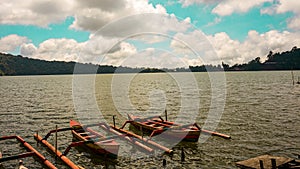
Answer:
(261, 114)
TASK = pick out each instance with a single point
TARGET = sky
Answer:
(149, 33)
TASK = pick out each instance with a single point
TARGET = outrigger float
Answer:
(157, 125)
(31, 152)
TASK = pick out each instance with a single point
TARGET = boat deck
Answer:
(266, 161)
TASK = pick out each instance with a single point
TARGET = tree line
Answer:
(289, 60)
(19, 65)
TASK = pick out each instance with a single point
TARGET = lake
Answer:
(261, 113)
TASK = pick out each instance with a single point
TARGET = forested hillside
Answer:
(18, 65)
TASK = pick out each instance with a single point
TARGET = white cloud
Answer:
(288, 5)
(89, 15)
(255, 45)
(182, 53)
(144, 23)
(11, 42)
(151, 57)
(283, 6)
(149, 38)
(117, 58)
(92, 15)
(215, 22)
(194, 47)
(28, 49)
(228, 7)
(92, 51)
(32, 12)
(294, 23)
(226, 48)
(268, 10)
(186, 3)
(53, 49)
(214, 49)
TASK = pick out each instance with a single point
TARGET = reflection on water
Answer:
(261, 115)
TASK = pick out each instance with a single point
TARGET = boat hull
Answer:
(168, 131)
(106, 147)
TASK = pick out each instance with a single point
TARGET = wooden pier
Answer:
(266, 162)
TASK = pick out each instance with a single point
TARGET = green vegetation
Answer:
(289, 60)
(18, 65)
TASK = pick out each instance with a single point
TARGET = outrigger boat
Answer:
(157, 125)
(97, 142)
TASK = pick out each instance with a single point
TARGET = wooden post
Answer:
(56, 142)
(114, 121)
(273, 162)
(166, 115)
(106, 165)
(37, 141)
(182, 155)
(141, 128)
(164, 162)
(261, 164)
(0, 157)
(293, 78)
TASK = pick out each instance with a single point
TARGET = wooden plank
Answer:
(23, 155)
(254, 163)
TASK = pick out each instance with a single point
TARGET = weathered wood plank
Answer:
(254, 163)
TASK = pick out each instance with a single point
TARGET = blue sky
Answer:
(39, 34)
(42, 23)
(236, 25)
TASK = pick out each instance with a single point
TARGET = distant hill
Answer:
(18, 65)
(289, 60)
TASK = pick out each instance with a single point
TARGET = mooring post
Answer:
(293, 79)
(273, 162)
(105, 164)
(164, 162)
(37, 141)
(55, 142)
(166, 115)
(182, 155)
(114, 121)
(261, 164)
(141, 128)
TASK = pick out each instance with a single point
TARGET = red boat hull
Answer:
(107, 147)
(169, 129)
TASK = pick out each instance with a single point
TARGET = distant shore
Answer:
(11, 65)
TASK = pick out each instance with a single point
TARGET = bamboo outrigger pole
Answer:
(65, 159)
(213, 133)
(30, 148)
(147, 141)
(126, 137)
